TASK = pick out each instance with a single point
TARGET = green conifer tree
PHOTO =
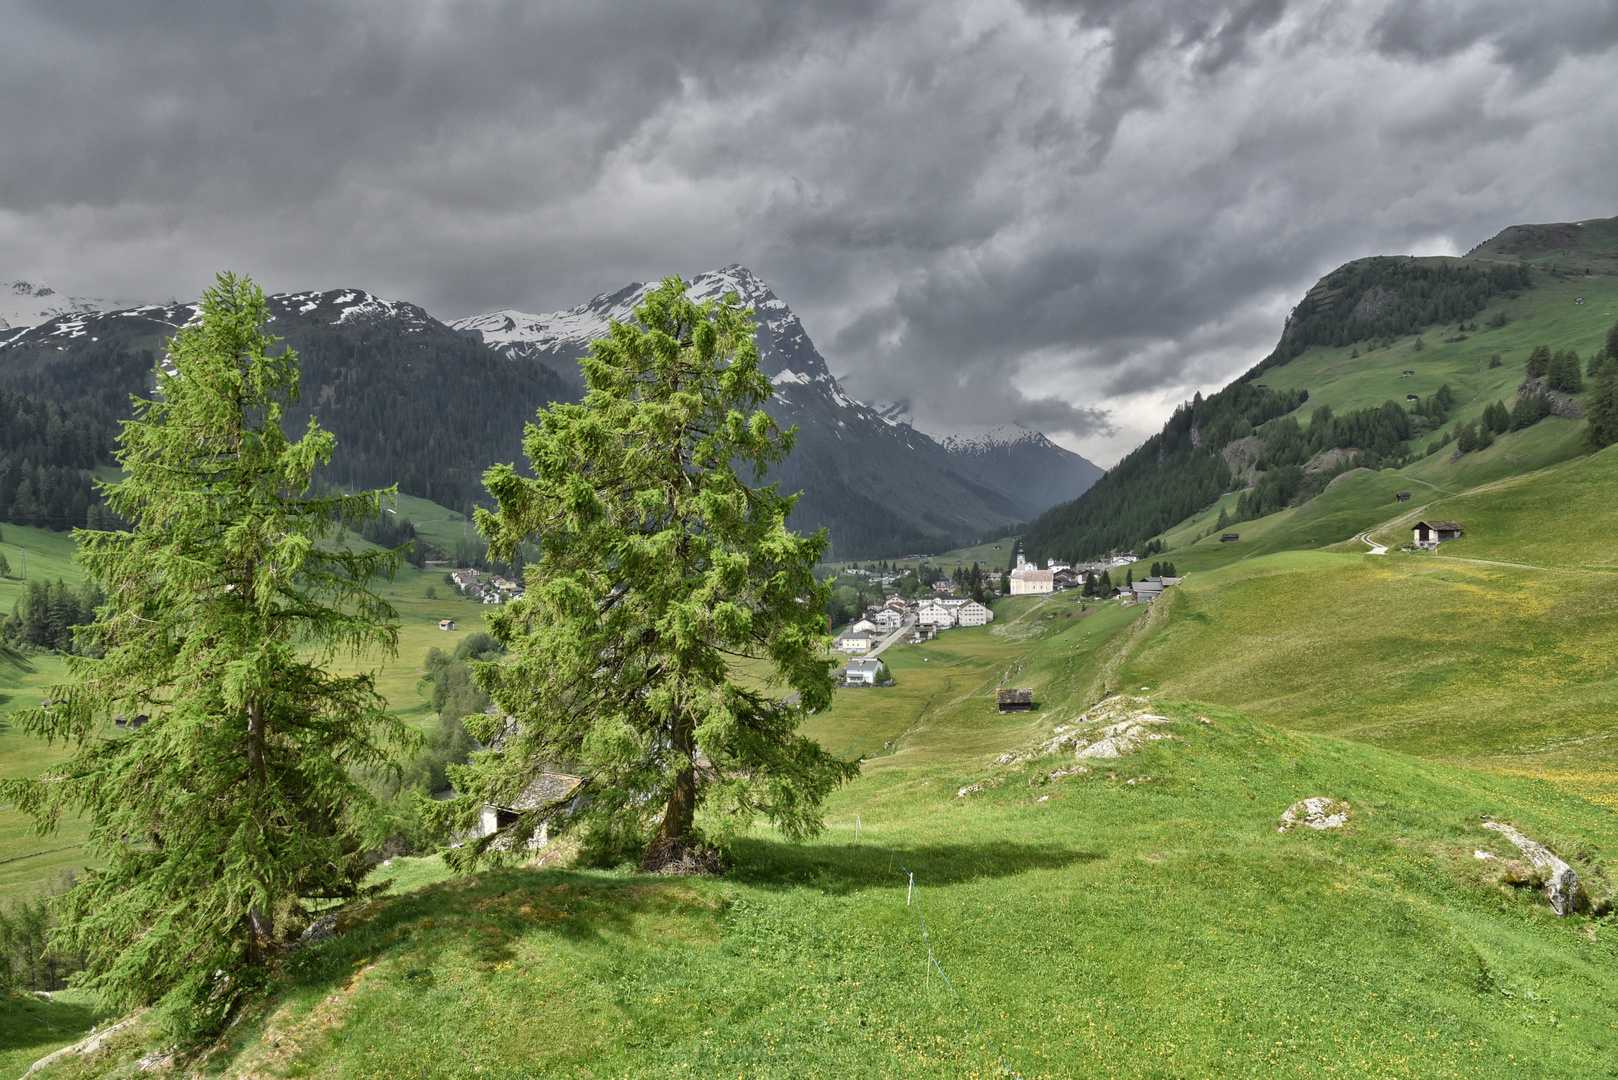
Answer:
(1601, 408)
(239, 799)
(1563, 374)
(1539, 361)
(659, 564)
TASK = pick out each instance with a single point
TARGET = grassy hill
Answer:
(1341, 351)
(1142, 919)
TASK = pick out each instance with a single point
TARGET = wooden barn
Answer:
(1229, 538)
(1016, 700)
(1429, 534)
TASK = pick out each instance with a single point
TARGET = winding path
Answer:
(1376, 548)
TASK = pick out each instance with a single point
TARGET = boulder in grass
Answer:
(1562, 887)
(1318, 812)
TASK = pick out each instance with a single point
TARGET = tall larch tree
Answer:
(239, 799)
(664, 561)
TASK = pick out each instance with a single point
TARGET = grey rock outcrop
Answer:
(1562, 886)
(1317, 812)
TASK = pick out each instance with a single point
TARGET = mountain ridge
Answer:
(1002, 486)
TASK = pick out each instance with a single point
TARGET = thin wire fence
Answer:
(913, 900)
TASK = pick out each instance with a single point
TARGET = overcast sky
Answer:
(1070, 215)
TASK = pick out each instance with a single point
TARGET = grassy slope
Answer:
(29, 861)
(1095, 927)
(1545, 314)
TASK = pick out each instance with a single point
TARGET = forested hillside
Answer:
(411, 401)
(1400, 347)
(46, 454)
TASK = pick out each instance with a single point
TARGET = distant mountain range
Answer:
(873, 479)
(430, 406)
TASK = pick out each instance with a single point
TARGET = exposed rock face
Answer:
(1568, 408)
(1317, 812)
(1125, 738)
(1562, 886)
(1115, 727)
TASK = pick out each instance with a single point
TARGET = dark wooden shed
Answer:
(1016, 700)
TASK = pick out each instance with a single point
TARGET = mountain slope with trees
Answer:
(1398, 359)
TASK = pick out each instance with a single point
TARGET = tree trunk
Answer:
(261, 924)
(682, 806)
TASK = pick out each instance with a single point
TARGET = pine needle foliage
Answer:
(660, 567)
(237, 801)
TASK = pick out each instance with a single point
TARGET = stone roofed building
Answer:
(1429, 534)
(557, 790)
(1018, 700)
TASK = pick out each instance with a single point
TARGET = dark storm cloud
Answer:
(1067, 214)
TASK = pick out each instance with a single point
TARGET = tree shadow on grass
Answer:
(842, 869)
(27, 1022)
(485, 918)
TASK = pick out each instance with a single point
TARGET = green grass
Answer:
(1559, 517)
(29, 862)
(31, 1027)
(1093, 927)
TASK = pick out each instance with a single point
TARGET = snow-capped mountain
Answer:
(1023, 460)
(29, 303)
(561, 337)
(875, 484)
(430, 406)
(410, 400)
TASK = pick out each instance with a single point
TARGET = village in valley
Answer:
(915, 605)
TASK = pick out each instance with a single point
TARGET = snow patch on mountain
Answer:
(991, 439)
(347, 307)
(567, 334)
(24, 304)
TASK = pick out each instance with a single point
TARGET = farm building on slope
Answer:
(1429, 534)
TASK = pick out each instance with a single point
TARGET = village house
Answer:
(1065, 578)
(446, 624)
(1150, 588)
(1429, 534)
(862, 672)
(864, 626)
(888, 620)
(973, 613)
(854, 643)
(935, 614)
(1030, 580)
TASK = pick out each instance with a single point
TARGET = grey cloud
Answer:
(1068, 214)
(1532, 39)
